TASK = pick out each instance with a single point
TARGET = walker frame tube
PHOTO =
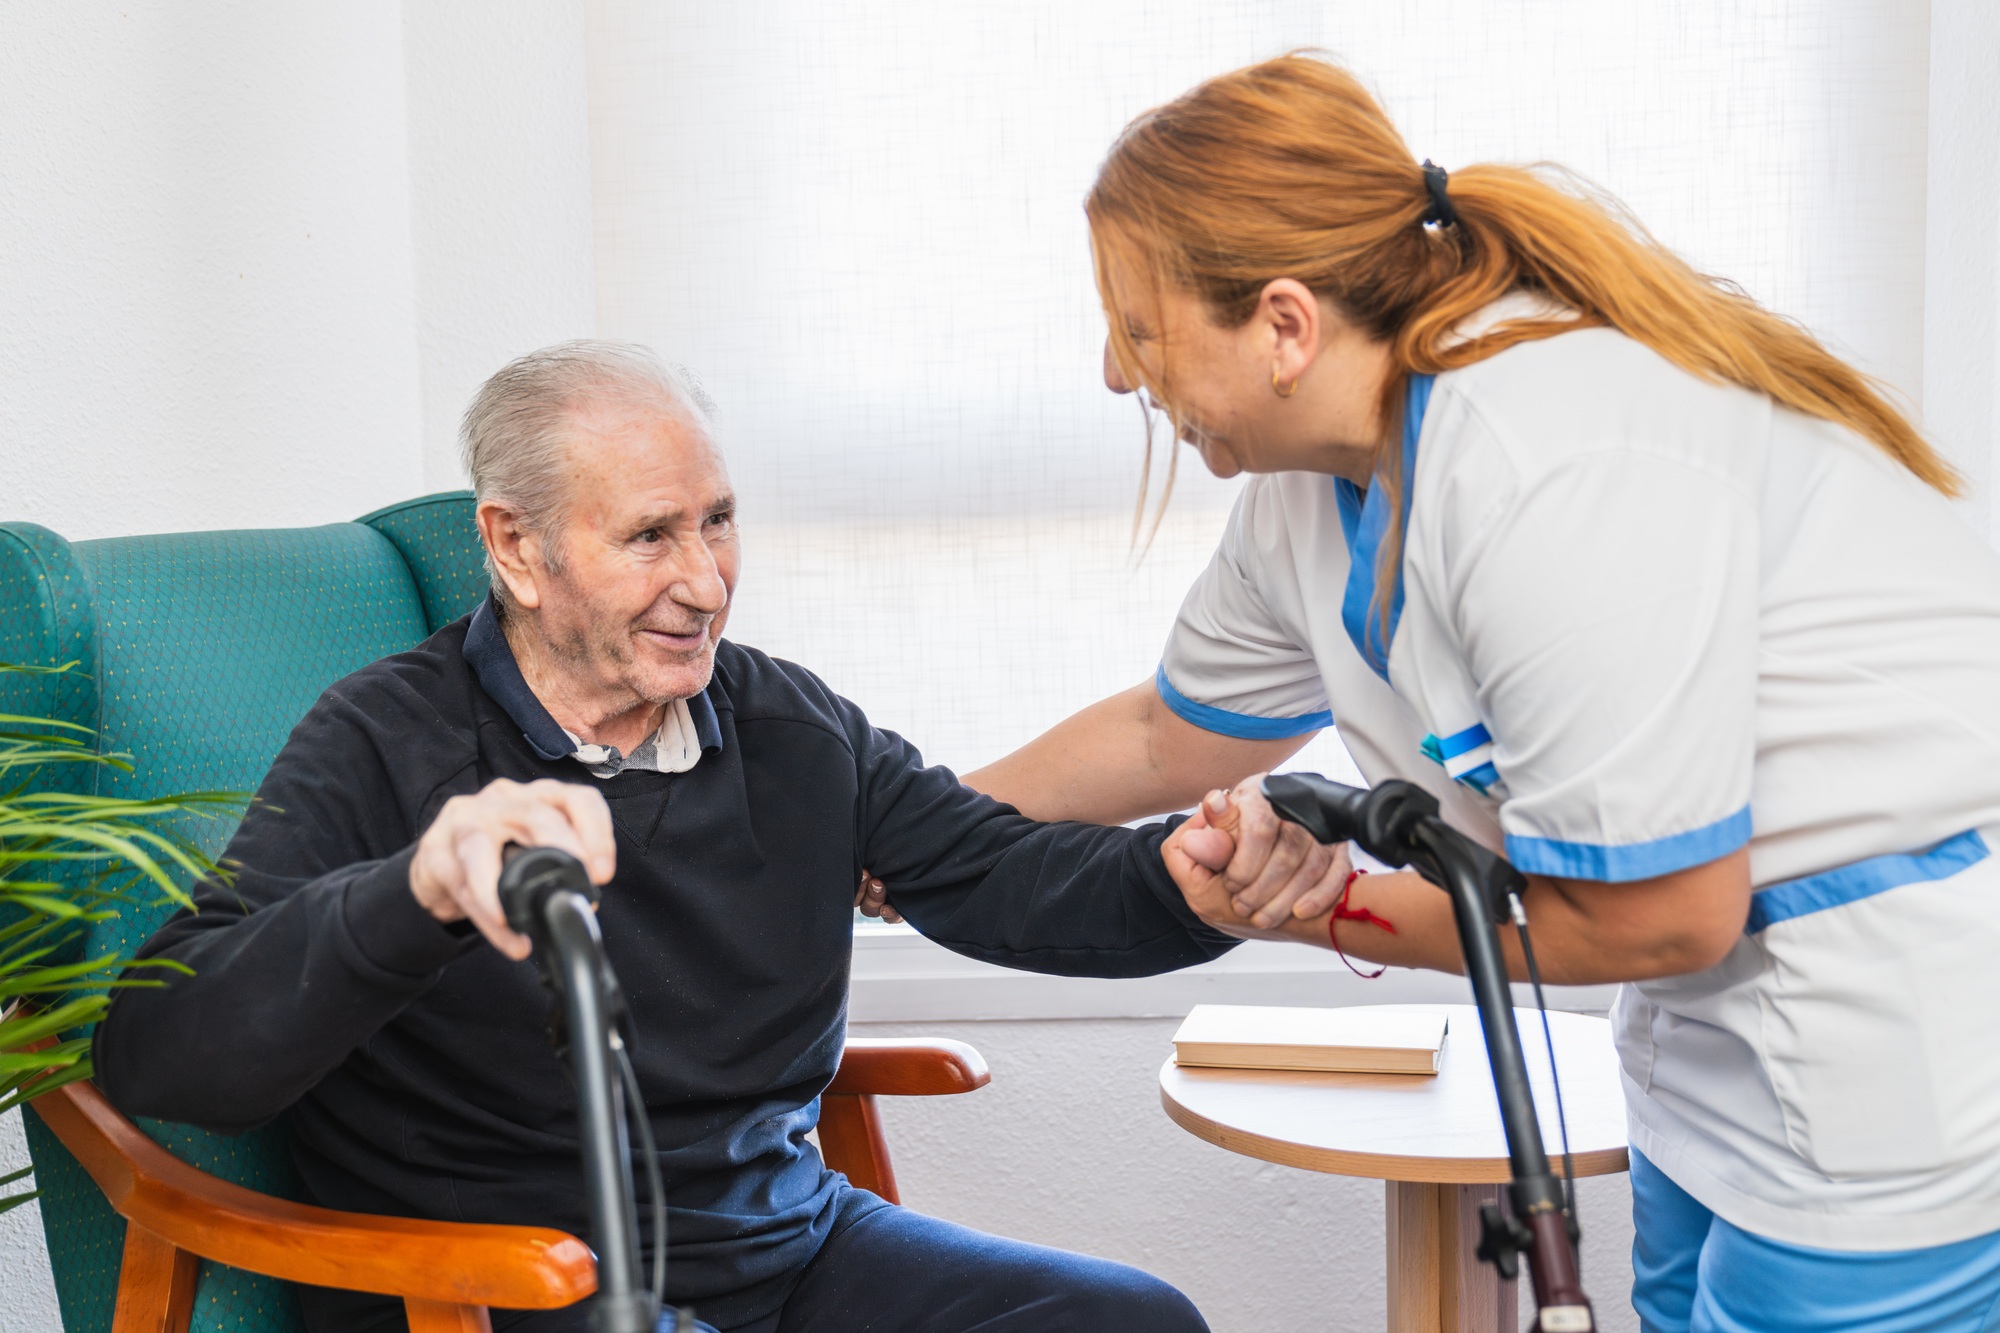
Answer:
(1398, 824)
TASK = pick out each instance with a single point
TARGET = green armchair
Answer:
(197, 654)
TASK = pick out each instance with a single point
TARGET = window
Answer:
(861, 225)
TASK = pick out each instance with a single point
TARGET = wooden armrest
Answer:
(518, 1268)
(908, 1067)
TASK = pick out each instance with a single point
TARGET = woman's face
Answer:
(1296, 387)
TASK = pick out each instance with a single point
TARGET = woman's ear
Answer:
(515, 551)
(1293, 323)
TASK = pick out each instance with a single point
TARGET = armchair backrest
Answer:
(197, 653)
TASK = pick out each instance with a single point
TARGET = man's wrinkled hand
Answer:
(872, 899)
(455, 874)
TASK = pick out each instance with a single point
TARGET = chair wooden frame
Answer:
(447, 1273)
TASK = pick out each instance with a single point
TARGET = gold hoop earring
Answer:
(1283, 391)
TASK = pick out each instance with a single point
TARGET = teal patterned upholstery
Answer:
(198, 653)
(440, 543)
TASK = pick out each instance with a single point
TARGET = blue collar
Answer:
(492, 660)
(1364, 519)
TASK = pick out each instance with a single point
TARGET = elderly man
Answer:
(358, 976)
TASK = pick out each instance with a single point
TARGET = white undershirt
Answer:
(674, 748)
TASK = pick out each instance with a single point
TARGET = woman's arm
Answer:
(1124, 758)
(1585, 932)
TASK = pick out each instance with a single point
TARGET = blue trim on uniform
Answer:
(1240, 725)
(1692, 1270)
(1629, 861)
(1479, 779)
(1451, 747)
(1863, 879)
(1364, 520)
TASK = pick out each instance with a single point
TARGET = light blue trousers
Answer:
(1692, 1272)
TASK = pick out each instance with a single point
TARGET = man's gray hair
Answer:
(515, 436)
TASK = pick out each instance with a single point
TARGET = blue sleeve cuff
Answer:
(1629, 861)
(1240, 725)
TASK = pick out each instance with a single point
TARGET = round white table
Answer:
(1435, 1139)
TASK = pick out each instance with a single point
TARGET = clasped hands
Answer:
(1243, 870)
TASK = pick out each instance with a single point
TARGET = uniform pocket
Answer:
(1632, 1017)
(1872, 1007)
(1845, 1050)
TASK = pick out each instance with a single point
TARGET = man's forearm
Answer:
(278, 998)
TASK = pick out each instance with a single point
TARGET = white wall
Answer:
(499, 167)
(205, 245)
(1962, 249)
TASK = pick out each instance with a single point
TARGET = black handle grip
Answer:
(529, 876)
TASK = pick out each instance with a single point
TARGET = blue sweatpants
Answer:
(1692, 1272)
(886, 1270)
(895, 1271)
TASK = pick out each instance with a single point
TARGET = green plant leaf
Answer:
(24, 1030)
(70, 860)
(46, 1084)
(34, 1062)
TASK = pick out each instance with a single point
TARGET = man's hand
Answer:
(1248, 873)
(872, 899)
(455, 874)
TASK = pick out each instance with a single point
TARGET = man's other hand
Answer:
(456, 872)
(872, 899)
(1248, 873)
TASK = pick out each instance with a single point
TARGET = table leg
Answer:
(1436, 1285)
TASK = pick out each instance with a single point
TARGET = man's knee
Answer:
(1112, 1296)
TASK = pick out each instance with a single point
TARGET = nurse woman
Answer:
(1655, 593)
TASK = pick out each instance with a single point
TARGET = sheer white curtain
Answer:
(859, 222)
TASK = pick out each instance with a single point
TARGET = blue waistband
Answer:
(1863, 879)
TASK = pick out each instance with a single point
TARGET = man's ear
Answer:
(516, 552)
(1294, 323)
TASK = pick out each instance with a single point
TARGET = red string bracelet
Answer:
(1342, 912)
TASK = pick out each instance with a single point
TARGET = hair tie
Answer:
(1440, 213)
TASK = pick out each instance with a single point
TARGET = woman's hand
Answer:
(872, 899)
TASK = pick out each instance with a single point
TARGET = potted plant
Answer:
(67, 862)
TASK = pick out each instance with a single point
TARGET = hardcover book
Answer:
(1367, 1039)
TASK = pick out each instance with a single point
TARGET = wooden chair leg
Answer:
(851, 1140)
(155, 1284)
(439, 1317)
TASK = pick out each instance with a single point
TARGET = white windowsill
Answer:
(901, 977)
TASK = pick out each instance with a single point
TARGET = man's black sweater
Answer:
(413, 1061)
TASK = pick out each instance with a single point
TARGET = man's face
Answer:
(649, 557)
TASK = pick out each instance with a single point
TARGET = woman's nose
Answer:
(1114, 379)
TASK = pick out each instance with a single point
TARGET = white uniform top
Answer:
(1643, 621)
